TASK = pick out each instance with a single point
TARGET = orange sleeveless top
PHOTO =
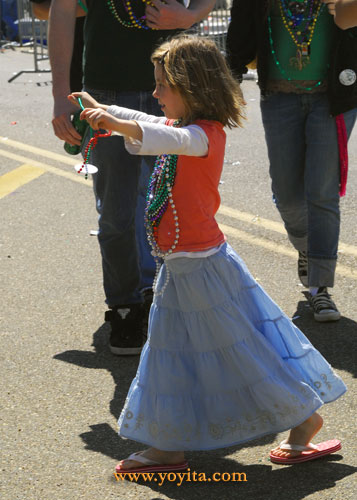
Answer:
(196, 197)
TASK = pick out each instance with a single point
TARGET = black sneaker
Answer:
(302, 268)
(126, 337)
(323, 306)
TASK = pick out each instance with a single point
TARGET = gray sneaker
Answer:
(302, 269)
(324, 307)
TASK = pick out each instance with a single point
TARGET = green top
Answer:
(285, 48)
(116, 57)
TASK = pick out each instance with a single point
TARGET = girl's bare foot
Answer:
(301, 435)
(160, 456)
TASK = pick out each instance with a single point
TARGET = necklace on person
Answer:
(280, 68)
(159, 197)
(300, 18)
(133, 22)
(85, 167)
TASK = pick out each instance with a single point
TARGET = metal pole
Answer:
(35, 30)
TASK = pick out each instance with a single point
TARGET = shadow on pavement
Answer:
(262, 479)
(102, 438)
(336, 340)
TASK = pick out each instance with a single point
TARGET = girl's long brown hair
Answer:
(195, 67)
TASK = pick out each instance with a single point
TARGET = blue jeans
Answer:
(120, 190)
(304, 167)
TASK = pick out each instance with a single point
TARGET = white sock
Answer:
(313, 290)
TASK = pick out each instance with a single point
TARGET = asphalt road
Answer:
(62, 390)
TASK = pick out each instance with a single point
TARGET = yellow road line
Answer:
(16, 178)
(277, 227)
(224, 210)
(276, 248)
(252, 219)
(38, 151)
(48, 168)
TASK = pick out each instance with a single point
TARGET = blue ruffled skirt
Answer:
(222, 364)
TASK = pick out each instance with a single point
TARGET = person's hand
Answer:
(61, 121)
(87, 100)
(98, 118)
(330, 6)
(168, 16)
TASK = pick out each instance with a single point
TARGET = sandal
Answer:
(149, 465)
(308, 452)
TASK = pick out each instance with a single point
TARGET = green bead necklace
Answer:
(133, 22)
(159, 198)
(280, 68)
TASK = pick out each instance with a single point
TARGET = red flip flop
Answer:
(149, 465)
(309, 452)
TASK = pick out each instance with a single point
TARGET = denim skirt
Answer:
(222, 364)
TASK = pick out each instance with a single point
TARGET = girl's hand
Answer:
(331, 6)
(87, 100)
(98, 118)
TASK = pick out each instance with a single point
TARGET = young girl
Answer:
(222, 364)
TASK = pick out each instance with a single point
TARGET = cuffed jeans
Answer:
(303, 152)
(120, 190)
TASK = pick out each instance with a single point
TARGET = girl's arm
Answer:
(132, 114)
(150, 138)
(158, 139)
(87, 100)
(117, 111)
(98, 118)
(346, 13)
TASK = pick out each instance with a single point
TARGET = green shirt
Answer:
(116, 57)
(285, 48)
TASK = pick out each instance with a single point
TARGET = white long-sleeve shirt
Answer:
(158, 138)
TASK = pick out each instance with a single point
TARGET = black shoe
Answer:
(324, 308)
(126, 337)
(302, 269)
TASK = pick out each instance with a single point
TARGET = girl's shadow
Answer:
(262, 478)
(103, 438)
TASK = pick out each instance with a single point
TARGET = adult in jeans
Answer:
(307, 76)
(117, 70)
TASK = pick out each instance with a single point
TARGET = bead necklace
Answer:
(301, 37)
(159, 197)
(133, 22)
(277, 62)
(90, 146)
(294, 23)
(295, 10)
